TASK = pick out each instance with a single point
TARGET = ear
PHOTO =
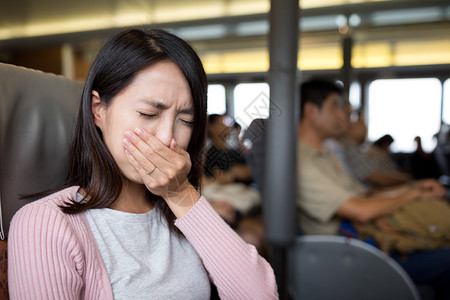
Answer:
(98, 109)
(310, 110)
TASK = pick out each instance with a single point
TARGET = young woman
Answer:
(129, 223)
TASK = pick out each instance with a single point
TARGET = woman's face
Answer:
(158, 100)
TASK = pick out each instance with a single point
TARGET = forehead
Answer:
(162, 82)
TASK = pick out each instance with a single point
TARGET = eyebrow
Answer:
(159, 105)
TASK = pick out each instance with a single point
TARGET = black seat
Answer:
(37, 117)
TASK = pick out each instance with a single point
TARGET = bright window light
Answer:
(216, 99)
(405, 108)
(251, 101)
(355, 95)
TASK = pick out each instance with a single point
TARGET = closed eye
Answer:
(148, 116)
(187, 122)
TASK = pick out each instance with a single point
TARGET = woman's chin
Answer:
(133, 178)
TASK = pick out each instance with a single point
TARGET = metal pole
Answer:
(280, 174)
(347, 70)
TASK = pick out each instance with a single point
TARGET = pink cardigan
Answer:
(53, 255)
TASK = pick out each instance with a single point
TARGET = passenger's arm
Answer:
(431, 188)
(238, 172)
(366, 208)
(378, 178)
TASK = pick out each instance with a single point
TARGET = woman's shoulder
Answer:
(44, 219)
(47, 205)
(59, 197)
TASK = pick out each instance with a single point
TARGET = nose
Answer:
(164, 131)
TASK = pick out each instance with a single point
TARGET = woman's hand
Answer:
(163, 169)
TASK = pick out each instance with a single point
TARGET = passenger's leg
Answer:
(429, 267)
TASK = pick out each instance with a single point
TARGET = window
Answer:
(355, 95)
(405, 108)
(251, 101)
(216, 99)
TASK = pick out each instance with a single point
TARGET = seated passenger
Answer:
(227, 180)
(380, 153)
(370, 169)
(129, 222)
(327, 194)
(227, 174)
(424, 164)
(225, 161)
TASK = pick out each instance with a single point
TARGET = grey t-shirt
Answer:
(144, 260)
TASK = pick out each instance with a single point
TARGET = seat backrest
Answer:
(255, 135)
(442, 151)
(37, 116)
(442, 156)
(335, 267)
(443, 136)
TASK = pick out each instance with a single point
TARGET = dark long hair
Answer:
(91, 165)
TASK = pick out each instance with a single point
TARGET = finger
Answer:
(154, 180)
(144, 153)
(142, 171)
(136, 158)
(160, 148)
(152, 176)
(159, 154)
(165, 173)
(174, 146)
